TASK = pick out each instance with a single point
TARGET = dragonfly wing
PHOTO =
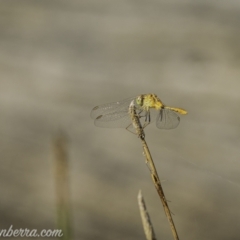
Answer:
(119, 119)
(108, 108)
(167, 119)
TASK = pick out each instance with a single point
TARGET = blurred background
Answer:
(59, 59)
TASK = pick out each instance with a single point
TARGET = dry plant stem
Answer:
(147, 225)
(139, 130)
(159, 188)
(62, 186)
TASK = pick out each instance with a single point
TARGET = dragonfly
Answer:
(148, 107)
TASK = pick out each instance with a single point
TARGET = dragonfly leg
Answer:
(139, 114)
(161, 114)
(147, 119)
(127, 128)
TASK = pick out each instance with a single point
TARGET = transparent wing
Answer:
(112, 115)
(167, 119)
(119, 119)
(116, 114)
(114, 107)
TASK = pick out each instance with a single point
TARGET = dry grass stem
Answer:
(147, 225)
(61, 170)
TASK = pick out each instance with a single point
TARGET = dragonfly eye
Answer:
(139, 100)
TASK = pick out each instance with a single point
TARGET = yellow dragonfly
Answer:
(147, 107)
